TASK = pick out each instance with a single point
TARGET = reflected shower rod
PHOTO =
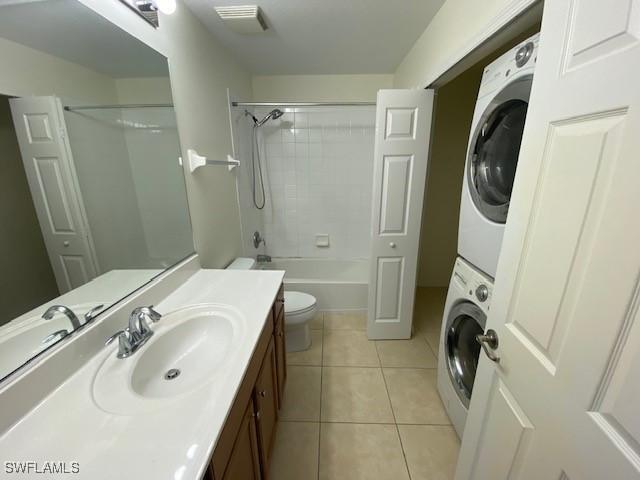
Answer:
(303, 104)
(127, 105)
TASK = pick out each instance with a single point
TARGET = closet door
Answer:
(41, 132)
(403, 129)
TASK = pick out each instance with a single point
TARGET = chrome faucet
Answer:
(52, 310)
(137, 333)
(263, 258)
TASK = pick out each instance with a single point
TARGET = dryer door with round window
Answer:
(465, 321)
(491, 168)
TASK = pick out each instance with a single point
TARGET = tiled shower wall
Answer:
(318, 168)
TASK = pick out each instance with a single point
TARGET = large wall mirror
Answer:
(93, 202)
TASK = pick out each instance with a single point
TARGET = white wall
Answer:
(451, 127)
(448, 35)
(201, 70)
(319, 165)
(296, 88)
(147, 90)
(104, 172)
(151, 137)
(26, 72)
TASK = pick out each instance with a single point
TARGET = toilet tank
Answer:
(242, 263)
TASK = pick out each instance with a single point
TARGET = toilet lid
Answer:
(297, 302)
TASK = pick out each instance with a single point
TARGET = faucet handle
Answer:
(57, 335)
(93, 312)
(125, 345)
(151, 313)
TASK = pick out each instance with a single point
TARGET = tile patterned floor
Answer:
(359, 409)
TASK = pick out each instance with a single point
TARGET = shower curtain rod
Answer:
(129, 105)
(302, 104)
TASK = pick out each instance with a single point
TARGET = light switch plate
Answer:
(322, 240)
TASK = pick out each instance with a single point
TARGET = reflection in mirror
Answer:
(93, 194)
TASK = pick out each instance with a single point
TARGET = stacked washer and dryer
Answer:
(492, 158)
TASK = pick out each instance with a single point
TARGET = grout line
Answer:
(395, 421)
(320, 412)
(369, 366)
(369, 423)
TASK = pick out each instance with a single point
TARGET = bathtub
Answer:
(337, 284)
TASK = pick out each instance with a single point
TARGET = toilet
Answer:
(299, 309)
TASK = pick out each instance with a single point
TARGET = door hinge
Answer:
(62, 133)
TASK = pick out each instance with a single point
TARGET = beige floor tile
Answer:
(414, 396)
(345, 320)
(302, 394)
(433, 339)
(312, 356)
(360, 452)
(352, 394)
(348, 348)
(295, 452)
(431, 451)
(414, 353)
(318, 322)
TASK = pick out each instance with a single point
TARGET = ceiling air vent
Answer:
(243, 18)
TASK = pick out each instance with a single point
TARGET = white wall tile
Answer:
(319, 169)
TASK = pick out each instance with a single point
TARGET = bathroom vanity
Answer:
(128, 418)
(244, 447)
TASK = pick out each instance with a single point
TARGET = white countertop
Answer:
(173, 443)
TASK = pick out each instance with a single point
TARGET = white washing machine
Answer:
(492, 154)
(465, 316)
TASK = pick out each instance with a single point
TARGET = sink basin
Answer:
(190, 349)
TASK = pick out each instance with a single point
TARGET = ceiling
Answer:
(69, 30)
(324, 36)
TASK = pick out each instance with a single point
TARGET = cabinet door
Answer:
(281, 356)
(244, 463)
(266, 405)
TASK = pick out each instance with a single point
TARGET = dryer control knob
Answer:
(524, 54)
(482, 293)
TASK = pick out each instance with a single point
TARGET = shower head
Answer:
(272, 115)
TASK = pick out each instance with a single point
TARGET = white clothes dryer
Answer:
(492, 154)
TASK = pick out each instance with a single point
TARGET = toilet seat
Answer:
(298, 304)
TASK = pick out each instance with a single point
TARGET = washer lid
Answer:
(295, 302)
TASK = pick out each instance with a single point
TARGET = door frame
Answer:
(517, 17)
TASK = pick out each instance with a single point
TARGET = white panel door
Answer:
(403, 129)
(563, 402)
(39, 125)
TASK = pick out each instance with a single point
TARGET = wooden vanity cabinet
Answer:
(280, 345)
(244, 461)
(243, 451)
